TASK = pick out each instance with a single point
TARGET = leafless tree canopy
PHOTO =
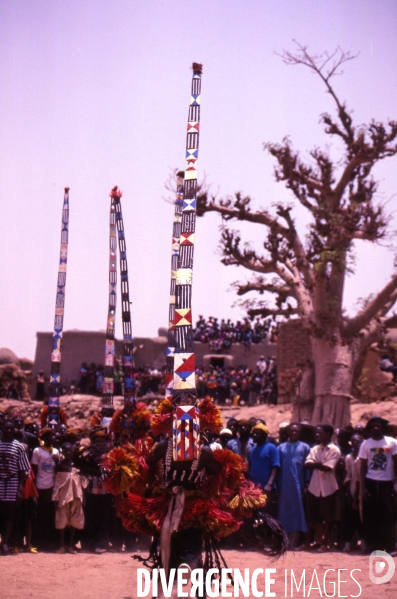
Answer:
(306, 276)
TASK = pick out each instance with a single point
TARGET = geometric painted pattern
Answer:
(181, 314)
(54, 389)
(108, 384)
(185, 433)
(129, 381)
(176, 232)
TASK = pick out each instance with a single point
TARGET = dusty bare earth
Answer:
(114, 575)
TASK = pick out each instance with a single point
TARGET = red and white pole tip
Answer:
(197, 67)
(116, 192)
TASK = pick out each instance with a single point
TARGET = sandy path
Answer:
(114, 575)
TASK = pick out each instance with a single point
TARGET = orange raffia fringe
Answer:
(203, 514)
(162, 417)
(248, 499)
(122, 467)
(44, 414)
(96, 419)
(133, 512)
(141, 417)
(209, 415)
(126, 467)
(147, 515)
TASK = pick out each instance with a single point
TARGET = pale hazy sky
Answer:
(94, 93)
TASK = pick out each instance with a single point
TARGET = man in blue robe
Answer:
(292, 480)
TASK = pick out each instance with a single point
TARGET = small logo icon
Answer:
(378, 560)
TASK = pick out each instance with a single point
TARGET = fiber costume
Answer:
(53, 414)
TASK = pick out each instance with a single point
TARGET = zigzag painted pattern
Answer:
(181, 321)
(54, 389)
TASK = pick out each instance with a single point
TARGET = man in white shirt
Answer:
(321, 496)
(378, 456)
(44, 461)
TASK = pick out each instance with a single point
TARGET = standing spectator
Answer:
(352, 485)
(212, 383)
(40, 382)
(100, 379)
(99, 506)
(321, 505)
(224, 437)
(27, 439)
(44, 461)
(2, 419)
(378, 456)
(72, 387)
(68, 494)
(91, 379)
(14, 465)
(118, 375)
(342, 440)
(292, 483)
(34, 429)
(62, 432)
(264, 464)
(284, 432)
(232, 425)
(261, 365)
(223, 387)
(242, 443)
(83, 378)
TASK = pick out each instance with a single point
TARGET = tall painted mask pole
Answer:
(108, 384)
(176, 233)
(129, 399)
(53, 411)
(185, 432)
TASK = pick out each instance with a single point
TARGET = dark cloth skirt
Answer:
(322, 509)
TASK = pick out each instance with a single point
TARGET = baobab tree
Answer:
(306, 276)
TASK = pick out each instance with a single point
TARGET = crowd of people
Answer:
(326, 495)
(236, 385)
(239, 385)
(221, 335)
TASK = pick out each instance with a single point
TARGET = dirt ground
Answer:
(114, 575)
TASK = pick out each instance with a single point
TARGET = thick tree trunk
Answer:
(334, 370)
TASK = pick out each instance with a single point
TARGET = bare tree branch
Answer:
(380, 301)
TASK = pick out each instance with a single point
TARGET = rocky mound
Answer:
(81, 408)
